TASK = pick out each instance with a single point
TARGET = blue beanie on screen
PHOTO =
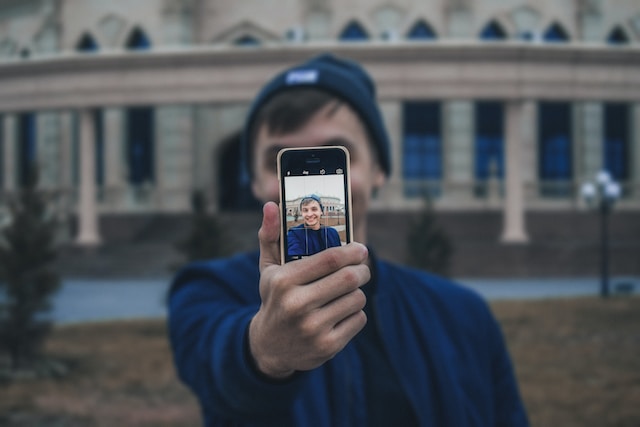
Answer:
(343, 78)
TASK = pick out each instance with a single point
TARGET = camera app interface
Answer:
(315, 212)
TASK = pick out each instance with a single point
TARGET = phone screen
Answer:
(315, 200)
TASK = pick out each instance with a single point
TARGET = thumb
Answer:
(269, 236)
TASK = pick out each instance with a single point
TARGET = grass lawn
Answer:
(578, 362)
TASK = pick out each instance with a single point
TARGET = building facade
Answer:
(128, 107)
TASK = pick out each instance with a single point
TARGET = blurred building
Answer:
(494, 107)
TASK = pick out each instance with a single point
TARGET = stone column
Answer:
(588, 140)
(115, 159)
(514, 213)
(9, 139)
(391, 194)
(458, 135)
(88, 232)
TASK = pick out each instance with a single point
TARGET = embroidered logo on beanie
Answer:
(302, 77)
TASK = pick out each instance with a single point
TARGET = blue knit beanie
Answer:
(343, 78)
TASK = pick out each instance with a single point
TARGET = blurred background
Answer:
(515, 128)
(498, 112)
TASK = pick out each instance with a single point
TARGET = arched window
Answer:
(421, 31)
(246, 40)
(555, 34)
(353, 32)
(138, 40)
(86, 43)
(617, 36)
(493, 31)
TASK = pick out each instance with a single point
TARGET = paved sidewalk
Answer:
(98, 300)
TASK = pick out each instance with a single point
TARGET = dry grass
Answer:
(121, 375)
(578, 361)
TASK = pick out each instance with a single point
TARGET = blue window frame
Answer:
(555, 34)
(617, 36)
(138, 40)
(87, 44)
(489, 138)
(140, 149)
(27, 150)
(353, 31)
(493, 31)
(246, 40)
(422, 149)
(555, 153)
(421, 31)
(616, 140)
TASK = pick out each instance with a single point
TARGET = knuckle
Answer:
(360, 299)
(334, 259)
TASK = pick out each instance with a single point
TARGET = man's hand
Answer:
(311, 308)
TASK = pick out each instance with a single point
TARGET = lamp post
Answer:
(603, 192)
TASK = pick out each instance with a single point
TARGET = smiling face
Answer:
(334, 124)
(311, 213)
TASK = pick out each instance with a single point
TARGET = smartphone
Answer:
(315, 200)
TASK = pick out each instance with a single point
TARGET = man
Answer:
(311, 236)
(338, 338)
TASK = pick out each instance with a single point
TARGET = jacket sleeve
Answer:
(208, 322)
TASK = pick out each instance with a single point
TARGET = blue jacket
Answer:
(303, 241)
(446, 348)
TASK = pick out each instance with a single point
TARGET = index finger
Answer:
(328, 261)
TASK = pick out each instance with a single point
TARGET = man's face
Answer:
(311, 214)
(329, 126)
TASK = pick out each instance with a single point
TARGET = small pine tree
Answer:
(206, 238)
(429, 247)
(27, 281)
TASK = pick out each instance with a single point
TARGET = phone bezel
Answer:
(323, 152)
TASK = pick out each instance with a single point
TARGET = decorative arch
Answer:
(86, 43)
(111, 29)
(527, 22)
(421, 30)
(138, 40)
(618, 36)
(493, 30)
(353, 31)
(245, 33)
(555, 33)
(246, 40)
(387, 20)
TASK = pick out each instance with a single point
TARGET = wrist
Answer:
(259, 359)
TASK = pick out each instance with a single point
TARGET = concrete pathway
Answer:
(97, 300)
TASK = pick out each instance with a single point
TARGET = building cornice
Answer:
(403, 70)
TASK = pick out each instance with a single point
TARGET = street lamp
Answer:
(603, 192)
